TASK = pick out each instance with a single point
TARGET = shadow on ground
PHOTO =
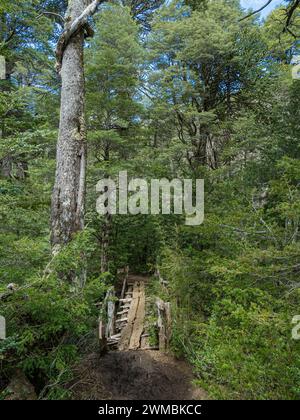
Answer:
(135, 375)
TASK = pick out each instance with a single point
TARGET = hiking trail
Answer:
(132, 368)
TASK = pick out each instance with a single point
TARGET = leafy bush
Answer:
(246, 349)
(48, 321)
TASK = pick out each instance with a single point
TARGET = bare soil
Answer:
(134, 375)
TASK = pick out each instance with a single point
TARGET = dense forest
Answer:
(184, 89)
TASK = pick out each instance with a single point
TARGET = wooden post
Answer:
(111, 305)
(163, 323)
(107, 318)
(124, 287)
(157, 274)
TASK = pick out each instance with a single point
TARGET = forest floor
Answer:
(135, 375)
(131, 372)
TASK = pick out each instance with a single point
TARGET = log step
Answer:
(123, 312)
(122, 320)
(114, 337)
(115, 340)
(127, 306)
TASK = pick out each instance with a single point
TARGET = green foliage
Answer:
(48, 322)
(112, 81)
(234, 284)
(192, 92)
(245, 350)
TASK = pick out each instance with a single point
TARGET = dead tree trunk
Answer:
(68, 198)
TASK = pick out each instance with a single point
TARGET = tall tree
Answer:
(69, 190)
(24, 36)
(113, 112)
(204, 72)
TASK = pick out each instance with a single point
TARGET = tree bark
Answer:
(106, 230)
(6, 167)
(67, 213)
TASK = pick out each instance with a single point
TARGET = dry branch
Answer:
(256, 11)
(81, 23)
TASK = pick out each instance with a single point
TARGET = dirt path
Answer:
(132, 373)
(135, 375)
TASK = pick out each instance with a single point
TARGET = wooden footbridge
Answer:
(122, 321)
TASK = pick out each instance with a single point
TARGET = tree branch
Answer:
(256, 11)
(76, 25)
(290, 13)
(10, 36)
(52, 14)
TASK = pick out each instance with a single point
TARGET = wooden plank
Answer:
(115, 340)
(113, 337)
(123, 312)
(121, 320)
(138, 328)
(127, 331)
(131, 334)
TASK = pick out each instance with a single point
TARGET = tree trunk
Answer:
(67, 215)
(6, 167)
(106, 230)
(22, 169)
(107, 223)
